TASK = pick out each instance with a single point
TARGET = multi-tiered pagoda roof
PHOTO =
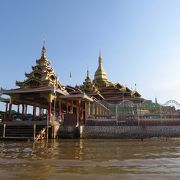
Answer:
(111, 92)
(42, 75)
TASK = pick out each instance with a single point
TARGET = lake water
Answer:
(91, 159)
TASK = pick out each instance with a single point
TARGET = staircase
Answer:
(20, 131)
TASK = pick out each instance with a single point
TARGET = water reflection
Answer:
(90, 158)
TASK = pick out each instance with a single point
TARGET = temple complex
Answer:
(107, 90)
(41, 106)
(48, 99)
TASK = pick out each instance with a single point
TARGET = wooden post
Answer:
(40, 111)
(18, 109)
(26, 109)
(95, 111)
(78, 113)
(7, 107)
(72, 106)
(67, 105)
(89, 108)
(98, 108)
(22, 109)
(86, 110)
(4, 130)
(10, 109)
(34, 131)
(6, 115)
(81, 112)
(34, 112)
(100, 111)
(50, 111)
(59, 110)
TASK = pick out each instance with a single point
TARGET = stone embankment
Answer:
(129, 131)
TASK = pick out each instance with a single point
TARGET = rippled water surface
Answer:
(91, 159)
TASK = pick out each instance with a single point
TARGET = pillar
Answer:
(10, 109)
(49, 107)
(89, 108)
(7, 104)
(72, 106)
(26, 108)
(104, 113)
(40, 111)
(84, 114)
(6, 115)
(18, 109)
(49, 111)
(67, 105)
(78, 113)
(95, 112)
(22, 109)
(100, 111)
(34, 112)
(86, 110)
(93, 109)
(59, 110)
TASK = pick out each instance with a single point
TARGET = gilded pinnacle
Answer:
(43, 50)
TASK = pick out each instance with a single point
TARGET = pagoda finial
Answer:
(87, 72)
(100, 58)
(100, 74)
(43, 54)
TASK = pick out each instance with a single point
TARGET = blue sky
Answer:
(139, 41)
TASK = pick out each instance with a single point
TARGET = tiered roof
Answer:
(42, 75)
(109, 90)
(90, 88)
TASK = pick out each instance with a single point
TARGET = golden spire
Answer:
(100, 59)
(87, 72)
(100, 74)
(43, 54)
